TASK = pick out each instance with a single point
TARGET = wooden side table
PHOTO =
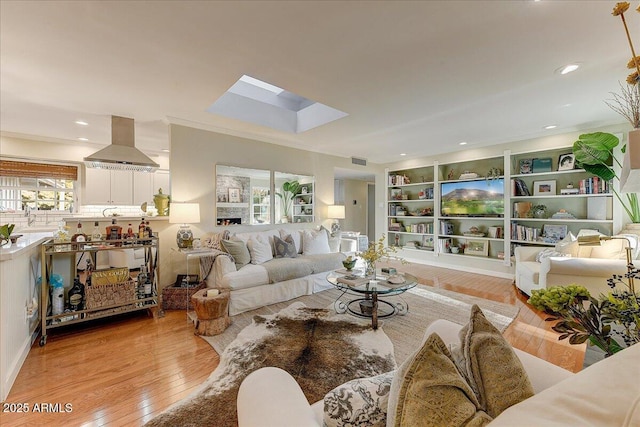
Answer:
(212, 312)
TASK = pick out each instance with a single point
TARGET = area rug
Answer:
(426, 304)
(319, 348)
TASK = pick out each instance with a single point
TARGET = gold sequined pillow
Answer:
(429, 391)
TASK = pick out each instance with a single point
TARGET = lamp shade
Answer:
(184, 213)
(335, 212)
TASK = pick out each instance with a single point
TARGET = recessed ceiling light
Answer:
(403, 154)
(550, 127)
(83, 139)
(81, 123)
(463, 143)
(568, 69)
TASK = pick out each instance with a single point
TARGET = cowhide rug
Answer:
(319, 349)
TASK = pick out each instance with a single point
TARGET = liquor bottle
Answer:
(148, 288)
(114, 232)
(141, 229)
(95, 234)
(148, 232)
(87, 272)
(142, 279)
(130, 235)
(76, 295)
(79, 237)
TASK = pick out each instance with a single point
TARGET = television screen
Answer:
(473, 198)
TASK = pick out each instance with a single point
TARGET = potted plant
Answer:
(594, 152)
(289, 190)
(5, 234)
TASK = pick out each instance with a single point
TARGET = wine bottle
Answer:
(79, 237)
(142, 279)
(148, 232)
(76, 295)
(141, 229)
(148, 288)
(87, 272)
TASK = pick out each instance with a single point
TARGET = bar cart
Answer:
(113, 295)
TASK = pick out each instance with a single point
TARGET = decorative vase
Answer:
(631, 228)
(370, 269)
(349, 264)
(161, 202)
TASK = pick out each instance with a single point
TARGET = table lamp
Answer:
(184, 214)
(335, 212)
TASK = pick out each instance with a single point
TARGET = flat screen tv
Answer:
(473, 198)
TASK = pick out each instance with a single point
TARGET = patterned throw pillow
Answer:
(491, 367)
(285, 248)
(214, 240)
(428, 390)
(359, 402)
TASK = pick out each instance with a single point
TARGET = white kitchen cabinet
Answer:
(143, 188)
(105, 187)
(161, 179)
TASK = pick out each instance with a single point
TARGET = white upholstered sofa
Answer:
(604, 394)
(266, 279)
(568, 263)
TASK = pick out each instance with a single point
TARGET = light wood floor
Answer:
(126, 370)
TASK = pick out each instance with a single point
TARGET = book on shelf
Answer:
(519, 187)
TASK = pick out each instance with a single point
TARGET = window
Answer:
(36, 186)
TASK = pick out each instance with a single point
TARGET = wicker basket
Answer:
(110, 294)
(109, 276)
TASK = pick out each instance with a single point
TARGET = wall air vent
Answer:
(358, 161)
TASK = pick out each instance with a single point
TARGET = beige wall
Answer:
(355, 214)
(195, 153)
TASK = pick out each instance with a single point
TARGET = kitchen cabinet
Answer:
(105, 187)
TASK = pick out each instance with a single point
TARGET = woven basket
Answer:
(110, 294)
(109, 276)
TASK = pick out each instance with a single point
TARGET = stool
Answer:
(212, 312)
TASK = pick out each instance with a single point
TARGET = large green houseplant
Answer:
(594, 153)
(289, 190)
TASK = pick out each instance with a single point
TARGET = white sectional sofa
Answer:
(568, 263)
(267, 279)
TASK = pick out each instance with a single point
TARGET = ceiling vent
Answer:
(122, 153)
(358, 161)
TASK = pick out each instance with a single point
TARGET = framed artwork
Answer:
(477, 247)
(396, 194)
(544, 188)
(542, 165)
(566, 162)
(526, 166)
(234, 195)
(428, 241)
(554, 233)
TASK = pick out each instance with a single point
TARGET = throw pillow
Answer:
(260, 249)
(491, 367)
(214, 240)
(238, 250)
(428, 390)
(549, 252)
(355, 401)
(315, 242)
(568, 246)
(285, 248)
(296, 235)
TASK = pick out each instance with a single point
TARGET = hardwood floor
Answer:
(126, 370)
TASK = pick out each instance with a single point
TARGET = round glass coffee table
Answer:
(367, 293)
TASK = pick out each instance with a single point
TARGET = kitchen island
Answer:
(19, 317)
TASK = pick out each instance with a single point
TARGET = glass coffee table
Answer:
(364, 296)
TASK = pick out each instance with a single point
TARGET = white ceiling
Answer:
(414, 77)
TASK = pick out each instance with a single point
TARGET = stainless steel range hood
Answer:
(122, 153)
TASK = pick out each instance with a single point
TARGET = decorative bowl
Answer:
(349, 264)
(14, 238)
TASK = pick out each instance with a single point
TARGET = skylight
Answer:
(255, 101)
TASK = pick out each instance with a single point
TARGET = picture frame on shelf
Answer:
(554, 232)
(428, 241)
(525, 166)
(234, 195)
(544, 188)
(542, 165)
(566, 162)
(477, 247)
(395, 193)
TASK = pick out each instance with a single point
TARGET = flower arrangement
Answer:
(375, 251)
(582, 317)
(627, 104)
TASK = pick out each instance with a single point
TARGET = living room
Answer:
(420, 119)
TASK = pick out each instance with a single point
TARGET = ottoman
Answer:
(212, 312)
